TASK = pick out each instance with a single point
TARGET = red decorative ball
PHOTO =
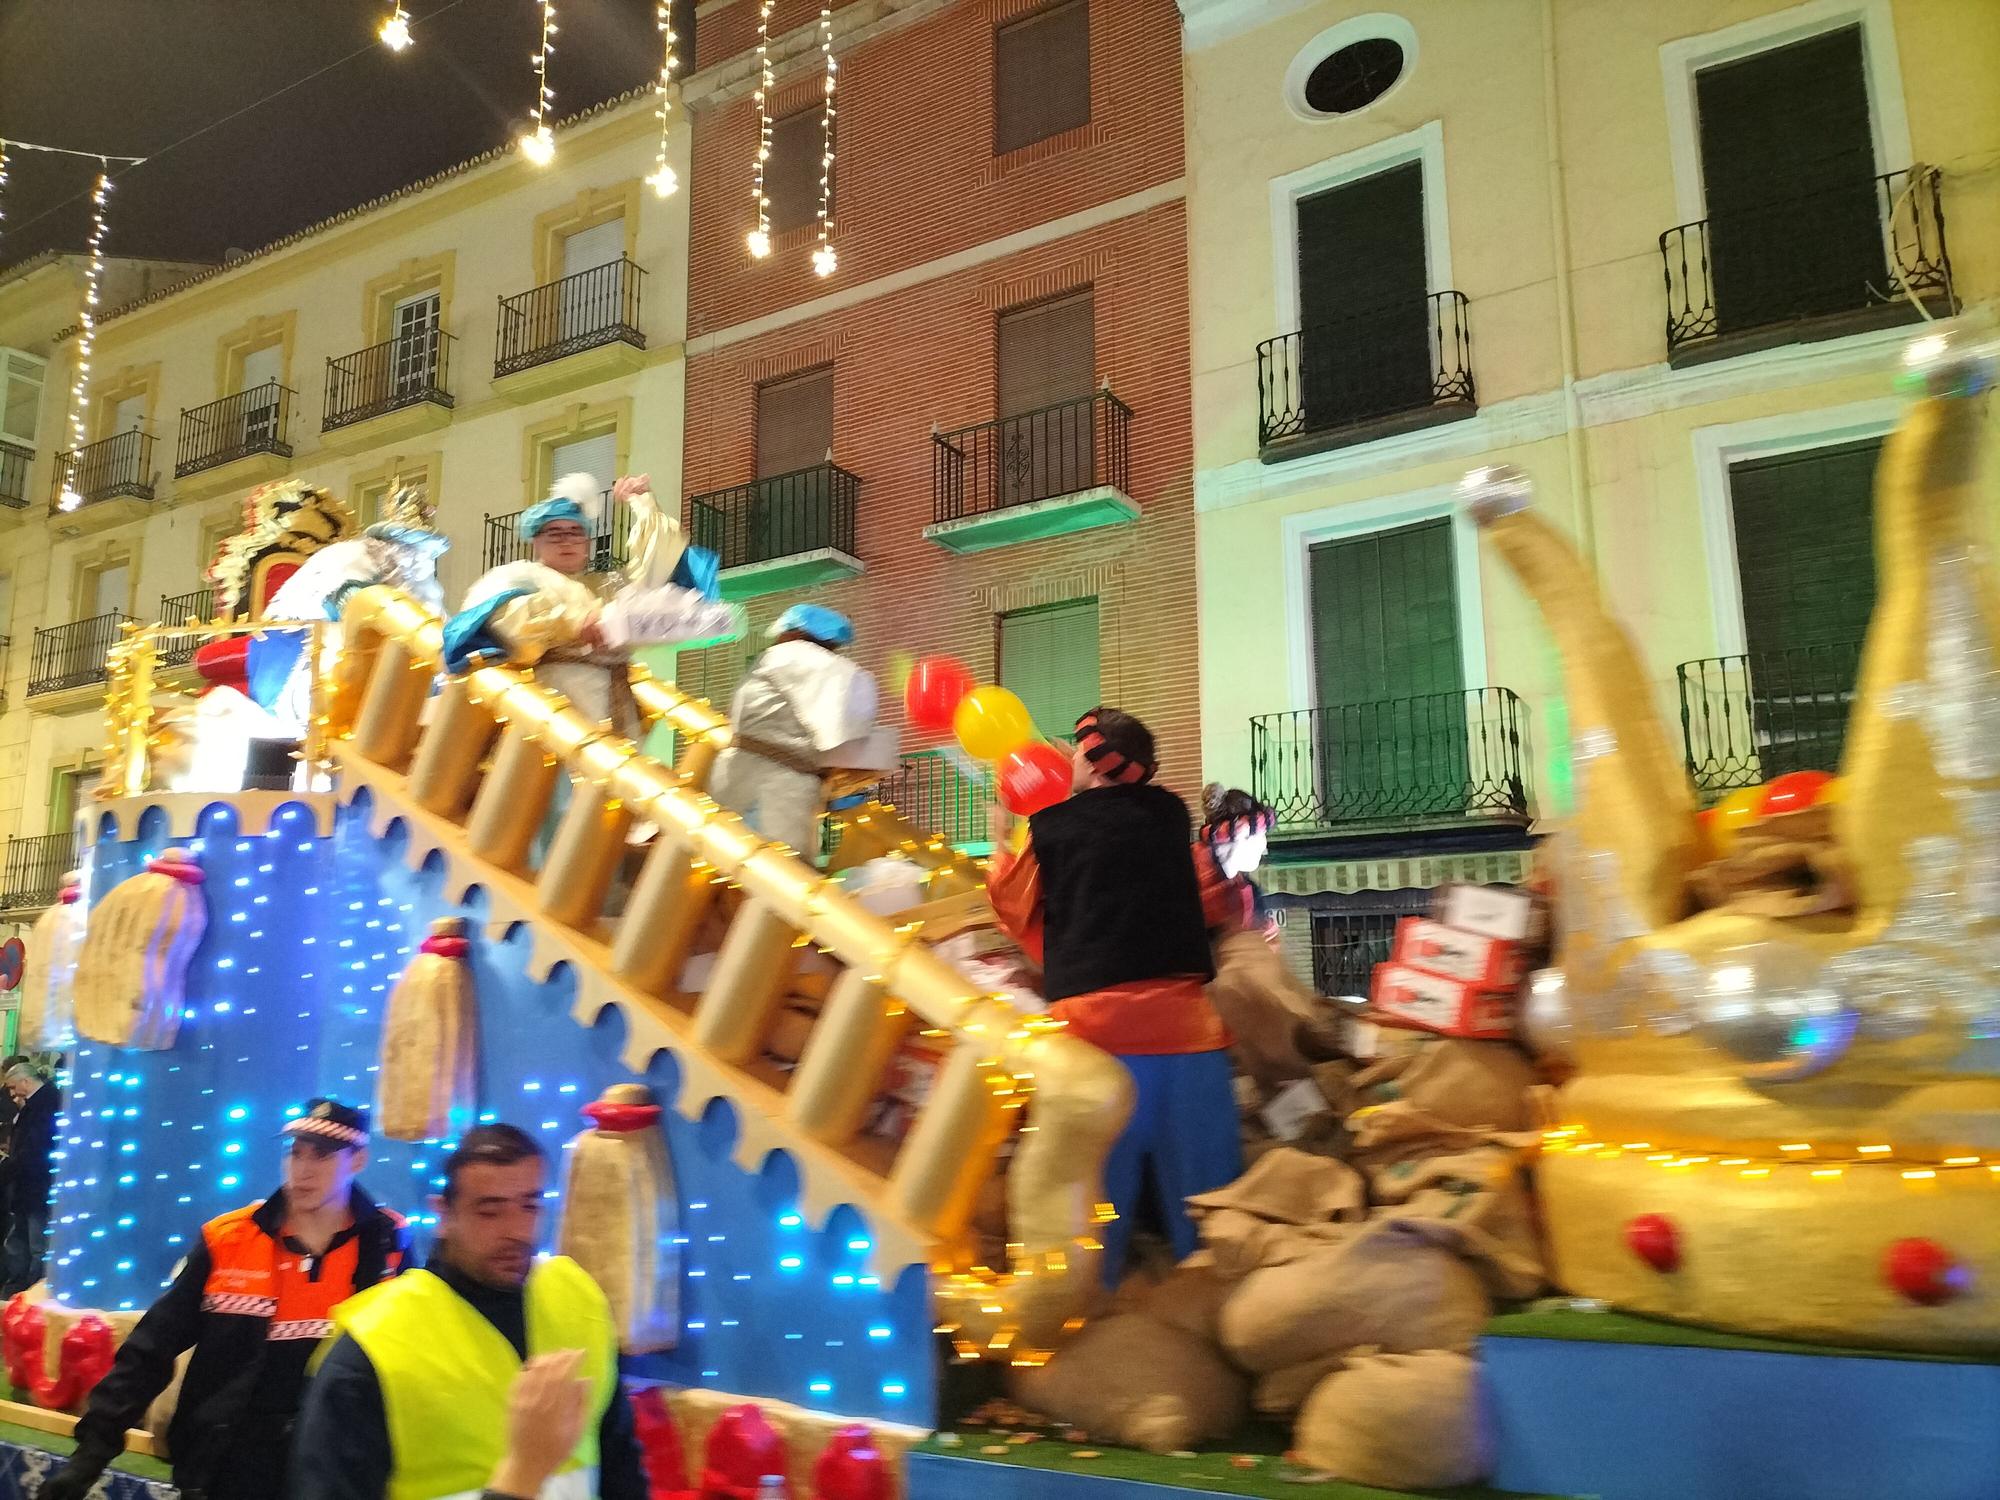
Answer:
(1032, 777)
(850, 1467)
(1653, 1238)
(1924, 1271)
(1795, 791)
(742, 1450)
(936, 687)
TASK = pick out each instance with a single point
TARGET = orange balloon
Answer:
(1733, 814)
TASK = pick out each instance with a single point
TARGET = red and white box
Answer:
(1453, 953)
(1410, 997)
(1507, 912)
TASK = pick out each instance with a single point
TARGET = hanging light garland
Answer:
(3, 182)
(539, 144)
(759, 239)
(824, 261)
(70, 499)
(663, 180)
(395, 32)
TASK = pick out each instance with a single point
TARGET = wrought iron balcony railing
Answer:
(119, 467)
(386, 377)
(196, 607)
(934, 794)
(608, 538)
(583, 311)
(252, 421)
(1437, 758)
(14, 463)
(72, 655)
(34, 870)
(1748, 719)
(1812, 256)
(1059, 450)
(1396, 360)
(808, 510)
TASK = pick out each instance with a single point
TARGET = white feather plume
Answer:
(583, 490)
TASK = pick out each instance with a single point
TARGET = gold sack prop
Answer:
(45, 1023)
(429, 1041)
(131, 977)
(620, 1216)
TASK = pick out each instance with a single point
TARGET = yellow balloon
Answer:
(1833, 793)
(1733, 814)
(991, 721)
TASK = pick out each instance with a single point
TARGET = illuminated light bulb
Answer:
(539, 146)
(395, 32)
(663, 181)
(824, 260)
(759, 242)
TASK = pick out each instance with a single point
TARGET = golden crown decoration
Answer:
(1790, 1125)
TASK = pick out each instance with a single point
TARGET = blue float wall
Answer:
(306, 936)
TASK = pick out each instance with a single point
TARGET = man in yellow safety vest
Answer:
(411, 1398)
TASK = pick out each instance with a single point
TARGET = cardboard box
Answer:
(1509, 912)
(1454, 953)
(1410, 997)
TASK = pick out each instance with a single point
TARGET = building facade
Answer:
(1664, 258)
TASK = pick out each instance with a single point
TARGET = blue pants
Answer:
(1183, 1136)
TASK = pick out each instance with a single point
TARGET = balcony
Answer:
(105, 483)
(572, 332)
(14, 464)
(1063, 469)
(1437, 761)
(239, 440)
(610, 538)
(195, 607)
(1394, 369)
(69, 658)
(388, 391)
(33, 873)
(786, 532)
(934, 795)
(1746, 720)
(1815, 266)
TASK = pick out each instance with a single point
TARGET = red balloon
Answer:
(1032, 777)
(1653, 1238)
(937, 685)
(1924, 1271)
(850, 1467)
(1795, 791)
(742, 1450)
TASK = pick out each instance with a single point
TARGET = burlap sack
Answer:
(1287, 1205)
(1283, 1392)
(1475, 1203)
(1466, 1083)
(1264, 1007)
(1385, 1134)
(1137, 1383)
(1386, 1286)
(1398, 1422)
(1189, 1298)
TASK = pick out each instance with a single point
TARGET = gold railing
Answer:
(474, 770)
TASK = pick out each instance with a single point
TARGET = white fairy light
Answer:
(759, 239)
(663, 181)
(395, 31)
(539, 144)
(824, 261)
(87, 335)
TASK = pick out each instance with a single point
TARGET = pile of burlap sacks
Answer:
(1344, 1278)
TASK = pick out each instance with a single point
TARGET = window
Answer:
(20, 396)
(1354, 76)
(414, 328)
(596, 455)
(1364, 309)
(791, 176)
(599, 245)
(1047, 439)
(1041, 76)
(1049, 656)
(127, 415)
(69, 793)
(107, 589)
(794, 423)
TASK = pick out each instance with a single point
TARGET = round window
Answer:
(1354, 77)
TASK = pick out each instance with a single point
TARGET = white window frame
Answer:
(1424, 145)
(1888, 120)
(1717, 448)
(1300, 533)
(1355, 29)
(41, 372)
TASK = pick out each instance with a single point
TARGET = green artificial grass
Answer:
(48, 1442)
(1580, 1325)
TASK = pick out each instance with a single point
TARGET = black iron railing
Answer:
(609, 538)
(72, 655)
(403, 371)
(14, 463)
(34, 870)
(1350, 940)
(934, 794)
(195, 607)
(252, 421)
(809, 510)
(1040, 455)
(599, 306)
(119, 467)
(1814, 255)
(1749, 719)
(1404, 760)
(1387, 362)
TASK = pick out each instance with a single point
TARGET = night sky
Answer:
(134, 76)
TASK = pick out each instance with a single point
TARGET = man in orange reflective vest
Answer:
(253, 1301)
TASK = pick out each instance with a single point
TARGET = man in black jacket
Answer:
(253, 1301)
(30, 1178)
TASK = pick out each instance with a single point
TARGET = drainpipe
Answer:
(1579, 479)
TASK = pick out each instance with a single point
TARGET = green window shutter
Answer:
(1049, 656)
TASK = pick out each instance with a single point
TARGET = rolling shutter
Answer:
(1041, 76)
(1049, 656)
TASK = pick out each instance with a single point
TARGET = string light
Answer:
(760, 238)
(824, 261)
(539, 144)
(395, 32)
(663, 181)
(3, 182)
(87, 323)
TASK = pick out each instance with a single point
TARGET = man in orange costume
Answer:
(1108, 895)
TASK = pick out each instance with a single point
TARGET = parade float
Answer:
(1766, 1192)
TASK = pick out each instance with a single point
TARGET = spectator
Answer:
(29, 1178)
